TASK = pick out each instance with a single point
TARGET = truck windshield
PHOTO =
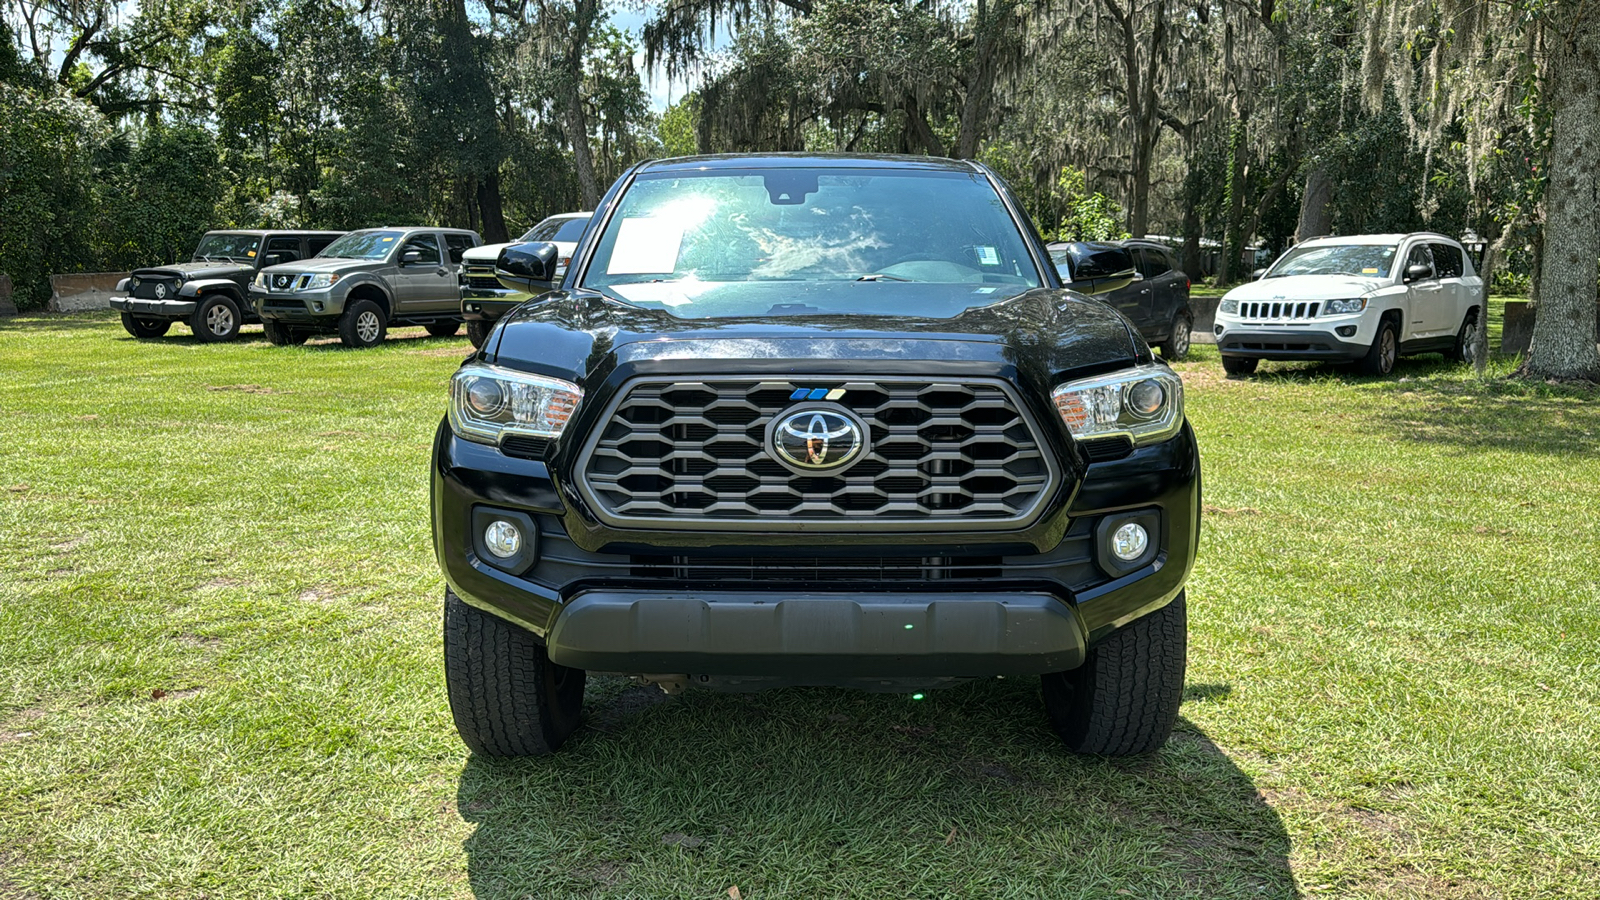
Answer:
(363, 245)
(227, 246)
(808, 241)
(566, 229)
(1367, 260)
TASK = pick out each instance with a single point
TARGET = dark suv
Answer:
(1156, 301)
(208, 293)
(782, 427)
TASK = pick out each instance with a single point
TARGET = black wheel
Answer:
(215, 319)
(507, 697)
(1124, 698)
(478, 332)
(1238, 365)
(442, 329)
(1384, 351)
(142, 328)
(1466, 349)
(280, 335)
(362, 325)
(1177, 347)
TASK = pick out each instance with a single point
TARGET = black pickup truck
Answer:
(781, 426)
(209, 292)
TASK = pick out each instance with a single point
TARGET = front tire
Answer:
(1176, 347)
(279, 335)
(362, 325)
(1383, 353)
(442, 329)
(507, 697)
(144, 329)
(1124, 699)
(478, 332)
(1239, 365)
(216, 319)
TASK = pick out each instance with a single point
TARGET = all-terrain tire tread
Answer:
(494, 674)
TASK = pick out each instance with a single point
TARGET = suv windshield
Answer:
(752, 242)
(227, 246)
(1336, 259)
(363, 245)
(564, 229)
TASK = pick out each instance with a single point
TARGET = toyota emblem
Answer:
(817, 439)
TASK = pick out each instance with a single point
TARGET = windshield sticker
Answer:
(985, 290)
(387, 239)
(988, 257)
(1370, 270)
(646, 246)
(250, 253)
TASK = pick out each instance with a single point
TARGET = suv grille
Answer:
(1265, 310)
(480, 276)
(146, 288)
(694, 453)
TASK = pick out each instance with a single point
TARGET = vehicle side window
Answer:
(316, 244)
(426, 245)
(1419, 256)
(1447, 261)
(287, 249)
(1149, 262)
(458, 244)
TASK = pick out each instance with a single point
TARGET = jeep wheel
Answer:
(279, 335)
(478, 332)
(1466, 349)
(507, 697)
(1238, 365)
(1124, 698)
(1176, 347)
(1384, 351)
(442, 329)
(362, 325)
(216, 319)
(145, 328)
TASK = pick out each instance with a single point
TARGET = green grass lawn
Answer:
(220, 669)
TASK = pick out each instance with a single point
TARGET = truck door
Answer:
(1456, 296)
(425, 284)
(1424, 296)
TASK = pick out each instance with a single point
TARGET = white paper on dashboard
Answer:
(646, 246)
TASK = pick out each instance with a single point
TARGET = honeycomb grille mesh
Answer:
(938, 451)
(481, 276)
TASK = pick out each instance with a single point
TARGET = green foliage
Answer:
(680, 127)
(1088, 216)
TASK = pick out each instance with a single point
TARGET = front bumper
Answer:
(1290, 344)
(154, 309)
(486, 306)
(302, 307)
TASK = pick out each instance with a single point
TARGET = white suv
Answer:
(1365, 299)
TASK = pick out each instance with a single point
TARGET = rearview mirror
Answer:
(410, 257)
(1256, 275)
(529, 267)
(1099, 268)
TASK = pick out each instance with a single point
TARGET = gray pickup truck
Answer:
(363, 283)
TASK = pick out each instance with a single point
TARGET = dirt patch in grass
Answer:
(452, 352)
(68, 545)
(604, 873)
(246, 389)
(180, 694)
(199, 641)
(8, 889)
(217, 584)
(15, 729)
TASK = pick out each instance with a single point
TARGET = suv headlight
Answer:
(260, 280)
(322, 280)
(1229, 306)
(1144, 403)
(488, 402)
(1343, 307)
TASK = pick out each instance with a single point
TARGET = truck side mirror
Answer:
(529, 267)
(1418, 272)
(410, 257)
(1256, 275)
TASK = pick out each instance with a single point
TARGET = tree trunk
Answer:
(980, 86)
(1314, 219)
(494, 217)
(1232, 240)
(1563, 344)
(576, 123)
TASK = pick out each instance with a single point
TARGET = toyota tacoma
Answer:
(782, 426)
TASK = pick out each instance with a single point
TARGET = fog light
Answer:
(317, 305)
(1346, 330)
(1130, 541)
(1216, 330)
(503, 540)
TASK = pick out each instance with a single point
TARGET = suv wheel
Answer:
(280, 335)
(1176, 347)
(1384, 351)
(216, 319)
(1467, 339)
(442, 329)
(145, 328)
(362, 325)
(1238, 365)
(478, 332)
(507, 697)
(1124, 698)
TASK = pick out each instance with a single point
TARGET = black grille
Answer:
(146, 289)
(281, 305)
(1107, 449)
(815, 569)
(481, 277)
(695, 452)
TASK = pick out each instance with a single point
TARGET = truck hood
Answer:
(328, 264)
(193, 271)
(1307, 287)
(1045, 335)
(488, 253)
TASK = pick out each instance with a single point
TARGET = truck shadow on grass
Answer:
(833, 793)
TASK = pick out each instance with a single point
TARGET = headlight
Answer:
(133, 283)
(488, 402)
(325, 279)
(261, 280)
(1342, 307)
(1229, 306)
(1144, 403)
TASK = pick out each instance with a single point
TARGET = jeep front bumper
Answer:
(154, 309)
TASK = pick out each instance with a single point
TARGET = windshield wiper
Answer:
(880, 276)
